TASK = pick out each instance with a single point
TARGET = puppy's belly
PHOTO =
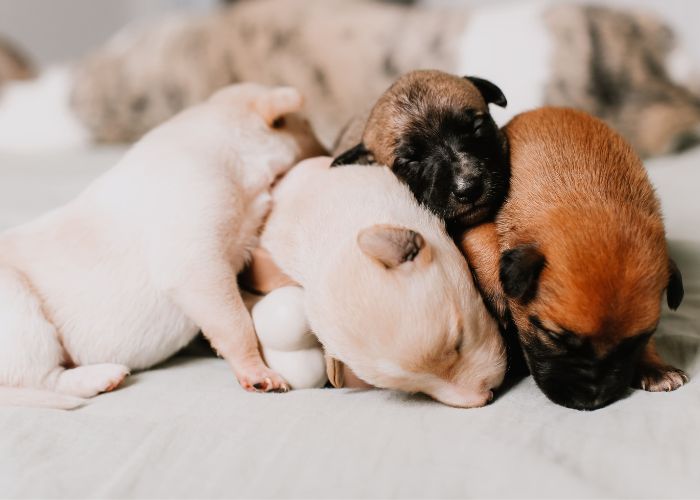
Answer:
(138, 336)
(103, 304)
(111, 319)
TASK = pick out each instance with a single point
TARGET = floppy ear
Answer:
(359, 155)
(391, 245)
(490, 92)
(674, 292)
(278, 102)
(519, 272)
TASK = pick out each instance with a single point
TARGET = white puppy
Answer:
(126, 274)
(387, 292)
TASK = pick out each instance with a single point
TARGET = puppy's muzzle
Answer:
(468, 189)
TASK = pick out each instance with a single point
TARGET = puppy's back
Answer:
(581, 196)
(564, 155)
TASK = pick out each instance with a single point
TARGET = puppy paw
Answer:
(89, 380)
(659, 378)
(261, 379)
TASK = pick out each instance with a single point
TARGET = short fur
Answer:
(387, 291)
(126, 274)
(580, 248)
(435, 132)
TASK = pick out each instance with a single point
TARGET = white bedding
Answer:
(186, 429)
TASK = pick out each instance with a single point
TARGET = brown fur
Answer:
(392, 115)
(581, 196)
(14, 65)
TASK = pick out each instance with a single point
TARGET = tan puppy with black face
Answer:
(577, 257)
(434, 131)
(386, 290)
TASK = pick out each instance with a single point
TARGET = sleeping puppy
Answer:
(125, 275)
(435, 132)
(386, 290)
(577, 259)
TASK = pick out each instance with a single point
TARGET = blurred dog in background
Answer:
(621, 65)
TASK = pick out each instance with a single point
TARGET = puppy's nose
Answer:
(469, 189)
(468, 400)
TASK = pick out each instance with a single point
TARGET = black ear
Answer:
(490, 92)
(519, 272)
(674, 292)
(359, 155)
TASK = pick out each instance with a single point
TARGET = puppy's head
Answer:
(435, 131)
(585, 307)
(411, 320)
(276, 135)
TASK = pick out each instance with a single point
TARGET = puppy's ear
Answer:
(490, 92)
(674, 292)
(278, 102)
(519, 272)
(391, 245)
(359, 155)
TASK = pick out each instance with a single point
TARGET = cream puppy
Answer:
(126, 274)
(386, 290)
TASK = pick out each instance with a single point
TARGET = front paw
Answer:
(261, 379)
(657, 378)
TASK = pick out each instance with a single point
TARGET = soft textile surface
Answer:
(186, 429)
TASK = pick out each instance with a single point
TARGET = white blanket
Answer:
(186, 429)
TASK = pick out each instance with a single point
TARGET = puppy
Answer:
(128, 273)
(577, 259)
(386, 290)
(622, 65)
(435, 132)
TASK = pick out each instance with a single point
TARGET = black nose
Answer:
(469, 189)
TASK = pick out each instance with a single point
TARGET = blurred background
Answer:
(60, 30)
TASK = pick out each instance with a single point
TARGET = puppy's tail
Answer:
(19, 396)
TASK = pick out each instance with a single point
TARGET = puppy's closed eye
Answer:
(458, 344)
(478, 123)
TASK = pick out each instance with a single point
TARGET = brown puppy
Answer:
(577, 259)
(434, 130)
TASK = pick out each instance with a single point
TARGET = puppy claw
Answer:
(660, 378)
(262, 380)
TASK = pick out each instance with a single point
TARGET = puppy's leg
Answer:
(87, 381)
(654, 375)
(30, 352)
(212, 300)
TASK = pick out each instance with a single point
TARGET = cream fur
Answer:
(127, 273)
(394, 327)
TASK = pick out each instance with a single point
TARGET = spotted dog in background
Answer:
(615, 64)
(623, 78)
